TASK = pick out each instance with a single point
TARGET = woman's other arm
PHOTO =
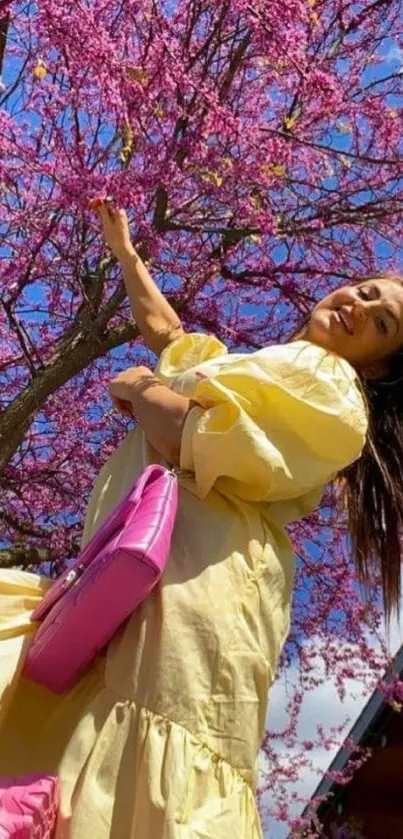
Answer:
(156, 319)
(160, 411)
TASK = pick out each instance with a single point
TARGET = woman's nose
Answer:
(360, 310)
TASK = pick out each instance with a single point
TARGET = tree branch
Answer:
(22, 556)
(85, 348)
(376, 161)
(4, 26)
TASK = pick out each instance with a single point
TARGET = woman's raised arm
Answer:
(156, 319)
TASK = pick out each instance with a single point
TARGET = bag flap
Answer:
(112, 526)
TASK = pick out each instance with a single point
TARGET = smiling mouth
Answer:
(345, 322)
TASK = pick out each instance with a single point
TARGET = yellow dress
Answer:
(159, 739)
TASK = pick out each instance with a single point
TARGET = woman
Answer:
(160, 737)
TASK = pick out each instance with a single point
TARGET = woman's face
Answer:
(362, 323)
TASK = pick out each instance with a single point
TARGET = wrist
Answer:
(125, 254)
(141, 381)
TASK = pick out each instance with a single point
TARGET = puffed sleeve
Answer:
(275, 424)
(187, 351)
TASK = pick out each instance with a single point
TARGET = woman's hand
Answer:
(121, 387)
(123, 406)
(160, 412)
(155, 318)
(115, 227)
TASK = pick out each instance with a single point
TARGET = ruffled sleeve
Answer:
(273, 425)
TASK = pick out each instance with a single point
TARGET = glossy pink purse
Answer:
(28, 806)
(116, 570)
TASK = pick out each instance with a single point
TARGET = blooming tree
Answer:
(257, 148)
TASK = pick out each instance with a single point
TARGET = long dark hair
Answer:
(372, 487)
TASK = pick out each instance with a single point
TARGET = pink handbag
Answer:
(28, 806)
(116, 570)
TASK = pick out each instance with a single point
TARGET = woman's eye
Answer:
(381, 326)
(380, 323)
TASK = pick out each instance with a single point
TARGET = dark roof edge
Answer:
(370, 711)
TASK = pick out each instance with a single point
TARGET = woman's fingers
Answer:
(105, 213)
(122, 406)
(94, 203)
(115, 226)
(110, 207)
(103, 206)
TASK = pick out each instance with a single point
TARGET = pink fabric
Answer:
(116, 570)
(28, 807)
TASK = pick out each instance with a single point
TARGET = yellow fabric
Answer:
(159, 739)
